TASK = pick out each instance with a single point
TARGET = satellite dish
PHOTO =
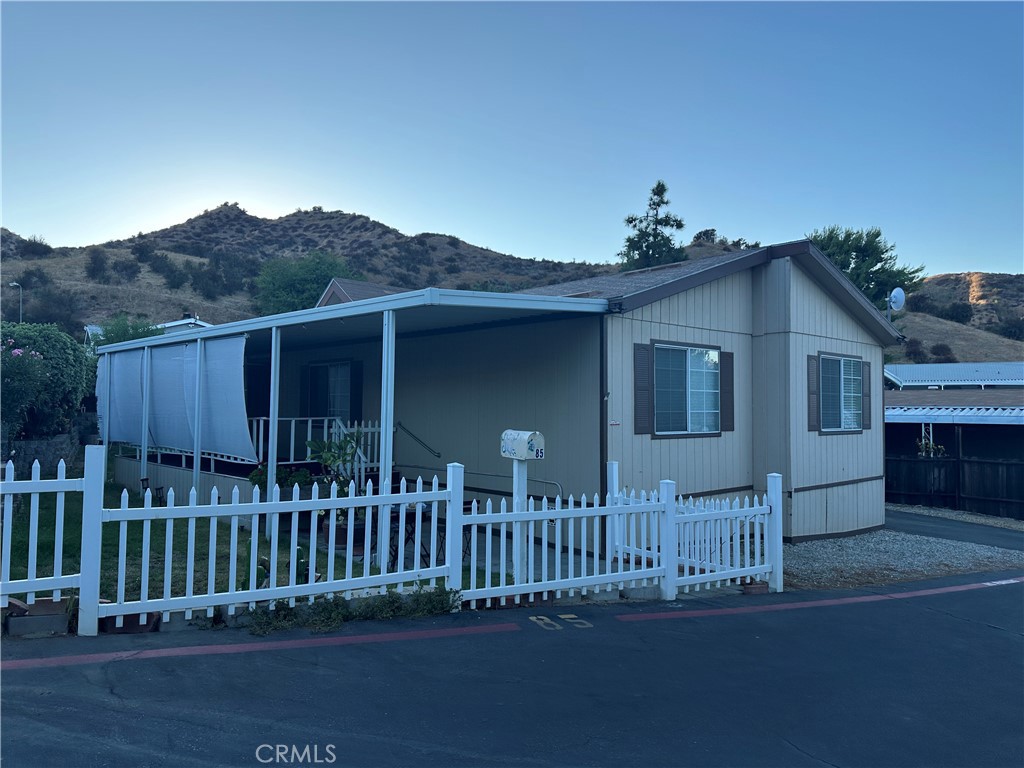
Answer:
(897, 299)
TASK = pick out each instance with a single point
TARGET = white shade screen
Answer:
(224, 426)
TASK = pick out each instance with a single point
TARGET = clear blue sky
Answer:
(532, 128)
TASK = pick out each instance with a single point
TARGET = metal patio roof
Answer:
(424, 311)
(1007, 374)
(953, 415)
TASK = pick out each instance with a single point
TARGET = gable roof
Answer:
(627, 291)
(342, 290)
(1006, 374)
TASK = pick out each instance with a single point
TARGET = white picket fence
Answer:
(32, 583)
(419, 536)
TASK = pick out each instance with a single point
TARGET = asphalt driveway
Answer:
(923, 674)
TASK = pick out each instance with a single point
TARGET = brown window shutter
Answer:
(813, 385)
(865, 397)
(643, 389)
(727, 392)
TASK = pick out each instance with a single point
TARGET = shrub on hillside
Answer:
(1011, 329)
(34, 278)
(96, 264)
(915, 351)
(943, 354)
(126, 270)
(919, 302)
(958, 312)
(35, 248)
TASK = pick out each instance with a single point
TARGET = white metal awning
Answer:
(953, 415)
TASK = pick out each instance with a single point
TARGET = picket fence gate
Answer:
(416, 537)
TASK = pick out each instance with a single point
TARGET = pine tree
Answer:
(651, 243)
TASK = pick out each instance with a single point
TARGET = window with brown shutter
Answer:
(643, 389)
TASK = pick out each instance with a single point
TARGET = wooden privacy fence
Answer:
(234, 553)
(985, 486)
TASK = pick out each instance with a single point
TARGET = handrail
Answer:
(555, 483)
(427, 448)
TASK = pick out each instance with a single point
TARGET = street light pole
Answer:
(21, 300)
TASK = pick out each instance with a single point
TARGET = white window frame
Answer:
(850, 394)
(688, 391)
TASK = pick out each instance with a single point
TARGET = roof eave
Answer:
(400, 301)
(838, 285)
(629, 302)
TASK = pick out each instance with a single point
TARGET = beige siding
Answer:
(459, 391)
(769, 388)
(821, 325)
(717, 314)
(838, 510)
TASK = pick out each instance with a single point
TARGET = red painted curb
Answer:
(771, 607)
(270, 645)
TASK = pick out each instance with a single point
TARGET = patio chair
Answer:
(157, 493)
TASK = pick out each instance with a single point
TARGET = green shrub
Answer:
(45, 405)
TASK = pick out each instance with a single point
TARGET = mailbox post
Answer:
(520, 446)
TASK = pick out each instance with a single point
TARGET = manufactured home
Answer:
(712, 373)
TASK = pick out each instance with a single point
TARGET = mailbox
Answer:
(519, 444)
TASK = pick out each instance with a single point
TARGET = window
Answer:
(682, 391)
(332, 389)
(686, 390)
(839, 393)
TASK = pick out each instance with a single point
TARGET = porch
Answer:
(420, 377)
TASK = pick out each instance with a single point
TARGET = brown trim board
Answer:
(823, 486)
(839, 535)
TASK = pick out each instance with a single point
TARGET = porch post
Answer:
(774, 532)
(144, 459)
(275, 385)
(106, 401)
(198, 428)
(387, 397)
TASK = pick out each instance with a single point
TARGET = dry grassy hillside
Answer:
(994, 297)
(968, 344)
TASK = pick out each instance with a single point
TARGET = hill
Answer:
(968, 344)
(996, 300)
(207, 265)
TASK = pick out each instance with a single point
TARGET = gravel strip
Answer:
(884, 557)
(966, 517)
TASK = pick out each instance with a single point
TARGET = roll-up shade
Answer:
(172, 394)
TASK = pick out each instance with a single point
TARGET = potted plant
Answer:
(287, 477)
(336, 457)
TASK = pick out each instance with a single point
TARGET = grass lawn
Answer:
(179, 536)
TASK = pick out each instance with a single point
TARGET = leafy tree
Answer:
(868, 260)
(42, 391)
(651, 243)
(706, 236)
(287, 285)
(122, 328)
